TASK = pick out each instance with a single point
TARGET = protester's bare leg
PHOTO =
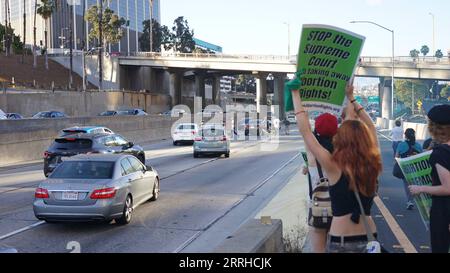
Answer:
(318, 239)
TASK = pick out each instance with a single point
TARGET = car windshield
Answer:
(126, 112)
(212, 132)
(72, 131)
(186, 127)
(72, 144)
(42, 115)
(108, 113)
(84, 170)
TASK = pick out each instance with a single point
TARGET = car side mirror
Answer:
(148, 169)
(129, 144)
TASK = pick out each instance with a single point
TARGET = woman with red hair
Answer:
(354, 166)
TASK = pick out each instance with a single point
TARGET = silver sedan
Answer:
(212, 140)
(96, 188)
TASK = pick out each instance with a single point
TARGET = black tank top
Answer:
(344, 202)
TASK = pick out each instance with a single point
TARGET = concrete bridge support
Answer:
(278, 96)
(216, 90)
(261, 90)
(200, 86)
(176, 83)
(385, 91)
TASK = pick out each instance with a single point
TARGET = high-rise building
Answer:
(133, 11)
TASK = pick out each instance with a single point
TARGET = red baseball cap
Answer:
(326, 125)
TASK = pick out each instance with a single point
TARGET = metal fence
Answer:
(407, 59)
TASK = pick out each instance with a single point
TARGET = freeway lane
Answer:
(394, 197)
(194, 194)
(202, 201)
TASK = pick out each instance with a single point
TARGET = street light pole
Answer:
(434, 33)
(289, 38)
(393, 59)
(151, 26)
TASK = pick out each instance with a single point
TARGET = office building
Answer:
(133, 11)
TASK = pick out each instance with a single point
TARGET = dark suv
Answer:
(102, 143)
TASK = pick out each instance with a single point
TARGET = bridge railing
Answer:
(216, 56)
(406, 59)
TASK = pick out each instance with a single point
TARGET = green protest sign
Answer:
(327, 60)
(417, 171)
(305, 157)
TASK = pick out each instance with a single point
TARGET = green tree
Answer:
(414, 53)
(439, 54)
(45, 10)
(425, 50)
(246, 83)
(161, 37)
(183, 37)
(404, 91)
(445, 92)
(111, 26)
(16, 43)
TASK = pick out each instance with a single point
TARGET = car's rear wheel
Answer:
(196, 155)
(227, 155)
(175, 143)
(127, 213)
(156, 190)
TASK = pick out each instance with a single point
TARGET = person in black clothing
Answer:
(352, 169)
(428, 144)
(326, 126)
(439, 127)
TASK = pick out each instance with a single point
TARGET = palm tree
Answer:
(34, 35)
(425, 50)
(439, 54)
(24, 30)
(45, 10)
(414, 54)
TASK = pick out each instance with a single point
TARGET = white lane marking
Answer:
(21, 230)
(253, 190)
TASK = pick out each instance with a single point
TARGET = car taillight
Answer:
(194, 132)
(224, 138)
(47, 154)
(103, 193)
(198, 139)
(41, 193)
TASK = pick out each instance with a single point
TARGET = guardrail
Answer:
(290, 59)
(406, 59)
(211, 55)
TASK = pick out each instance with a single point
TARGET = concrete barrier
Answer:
(26, 140)
(255, 237)
(76, 104)
(421, 129)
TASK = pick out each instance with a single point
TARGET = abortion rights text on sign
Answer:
(327, 59)
(417, 171)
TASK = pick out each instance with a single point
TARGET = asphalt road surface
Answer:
(196, 196)
(202, 201)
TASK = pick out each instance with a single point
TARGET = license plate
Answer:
(71, 196)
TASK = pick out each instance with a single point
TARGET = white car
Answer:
(291, 118)
(185, 133)
(3, 115)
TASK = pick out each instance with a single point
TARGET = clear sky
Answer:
(256, 26)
